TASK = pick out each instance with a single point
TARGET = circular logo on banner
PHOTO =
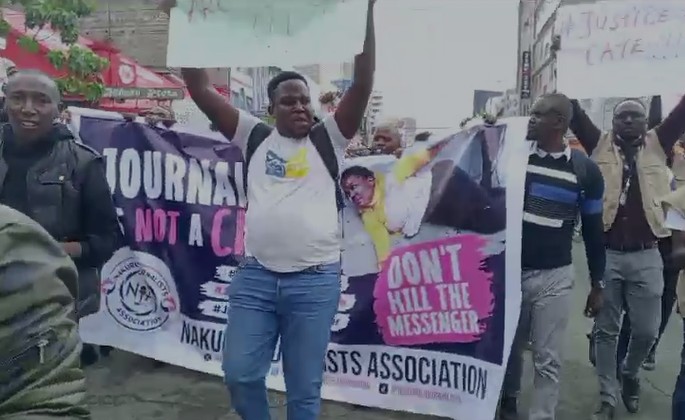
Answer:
(127, 74)
(139, 290)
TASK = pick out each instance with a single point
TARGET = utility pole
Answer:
(228, 83)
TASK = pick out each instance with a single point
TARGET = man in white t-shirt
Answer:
(289, 284)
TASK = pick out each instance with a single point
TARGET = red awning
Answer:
(129, 85)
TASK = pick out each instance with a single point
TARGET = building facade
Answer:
(137, 27)
(537, 66)
(374, 111)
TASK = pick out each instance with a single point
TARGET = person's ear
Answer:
(270, 109)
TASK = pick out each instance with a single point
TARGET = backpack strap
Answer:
(322, 142)
(259, 133)
(324, 145)
(580, 161)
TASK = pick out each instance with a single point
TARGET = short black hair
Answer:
(357, 171)
(423, 136)
(623, 101)
(281, 77)
(560, 104)
(55, 94)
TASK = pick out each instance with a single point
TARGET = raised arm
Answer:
(655, 113)
(352, 107)
(673, 126)
(220, 112)
(583, 128)
(411, 163)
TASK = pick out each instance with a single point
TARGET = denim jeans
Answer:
(679, 392)
(264, 305)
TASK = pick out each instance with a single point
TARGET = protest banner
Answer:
(430, 267)
(253, 33)
(621, 48)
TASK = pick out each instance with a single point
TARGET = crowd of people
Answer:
(58, 226)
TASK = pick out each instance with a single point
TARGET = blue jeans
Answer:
(299, 307)
(679, 392)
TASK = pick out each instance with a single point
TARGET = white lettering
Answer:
(110, 155)
(175, 171)
(453, 250)
(195, 234)
(199, 183)
(152, 174)
(129, 177)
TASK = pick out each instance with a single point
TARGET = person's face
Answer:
(545, 121)
(159, 113)
(292, 109)
(31, 105)
(630, 121)
(385, 141)
(359, 189)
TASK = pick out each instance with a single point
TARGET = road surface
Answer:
(128, 387)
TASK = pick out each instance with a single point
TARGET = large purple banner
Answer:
(421, 321)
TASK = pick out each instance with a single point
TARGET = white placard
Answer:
(252, 33)
(621, 48)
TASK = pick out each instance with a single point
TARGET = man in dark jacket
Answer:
(40, 376)
(56, 181)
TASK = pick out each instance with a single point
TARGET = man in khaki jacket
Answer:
(632, 160)
(40, 374)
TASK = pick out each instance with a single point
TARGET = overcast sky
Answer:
(432, 54)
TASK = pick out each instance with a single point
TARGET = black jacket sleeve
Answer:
(583, 128)
(655, 112)
(591, 222)
(101, 226)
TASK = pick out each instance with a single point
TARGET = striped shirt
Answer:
(553, 199)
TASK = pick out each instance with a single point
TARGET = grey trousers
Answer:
(545, 308)
(635, 277)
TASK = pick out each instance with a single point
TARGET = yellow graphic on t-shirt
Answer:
(297, 166)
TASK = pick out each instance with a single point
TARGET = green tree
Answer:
(82, 66)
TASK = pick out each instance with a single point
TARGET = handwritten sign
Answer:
(225, 33)
(621, 48)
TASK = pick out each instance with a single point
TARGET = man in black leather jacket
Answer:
(59, 183)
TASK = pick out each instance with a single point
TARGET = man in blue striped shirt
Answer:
(560, 184)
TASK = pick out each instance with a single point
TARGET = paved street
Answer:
(128, 387)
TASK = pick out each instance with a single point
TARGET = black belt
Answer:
(633, 247)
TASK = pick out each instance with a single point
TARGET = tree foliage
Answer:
(82, 66)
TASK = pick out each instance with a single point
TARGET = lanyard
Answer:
(629, 167)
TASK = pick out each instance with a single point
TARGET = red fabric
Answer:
(121, 72)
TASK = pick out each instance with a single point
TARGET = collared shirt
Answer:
(556, 155)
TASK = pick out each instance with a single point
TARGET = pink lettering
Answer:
(143, 225)
(217, 228)
(173, 223)
(158, 226)
(239, 241)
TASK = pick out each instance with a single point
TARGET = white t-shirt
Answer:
(406, 202)
(292, 219)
